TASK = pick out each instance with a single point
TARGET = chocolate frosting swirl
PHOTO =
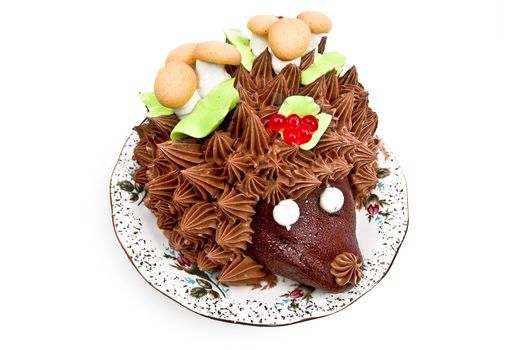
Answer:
(253, 185)
(347, 268)
(234, 236)
(292, 75)
(198, 222)
(302, 183)
(181, 154)
(236, 165)
(207, 179)
(262, 69)
(275, 92)
(242, 270)
(275, 192)
(331, 86)
(204, 263)
(316, 89)
(218, 147)
(244, 80)
(255, 138)
(236, 205)
(307, 60)
(162, 187)
(218, 255)
(184, 196)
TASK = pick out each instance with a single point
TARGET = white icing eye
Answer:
(286, 213)
(331, 200)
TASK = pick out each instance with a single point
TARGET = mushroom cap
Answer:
(185, 53)
(289, 38)
(217, 52)
(175, 84)
(317, 21)
(260, 24)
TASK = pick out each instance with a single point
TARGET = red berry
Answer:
(293, 121)
(291, 136)
(277, 122)
(310, 122)
(304, 135)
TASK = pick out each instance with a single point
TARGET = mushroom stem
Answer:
(258, 44)
(315, 40)
(209, 75)
(189, 106)
(278, 64)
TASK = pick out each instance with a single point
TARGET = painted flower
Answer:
(373, 209)
(183, 262)
(296, 294)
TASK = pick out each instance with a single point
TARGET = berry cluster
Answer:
(296, 130)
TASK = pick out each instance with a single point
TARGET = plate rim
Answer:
(247, 323)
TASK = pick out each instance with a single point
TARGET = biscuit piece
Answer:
(260, 24)
(317, 21)
(185, 53)
(289, 38)
(175, 84)
(217, 52)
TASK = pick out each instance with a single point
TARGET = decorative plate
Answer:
(380, 228)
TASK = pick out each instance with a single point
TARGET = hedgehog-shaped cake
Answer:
(256, 152)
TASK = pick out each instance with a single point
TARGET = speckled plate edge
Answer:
(403, 215)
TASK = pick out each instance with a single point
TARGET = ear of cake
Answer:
(211, 57)
(288, 39)
(320, 25)
(259, 26)
(175, 84)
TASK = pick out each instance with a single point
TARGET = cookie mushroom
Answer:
(175, 85)
(185, 53)
(320, 25)
(288, 40)
(211, 57)
(259, 26)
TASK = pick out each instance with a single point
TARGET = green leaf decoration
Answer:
(382, 172)
(323, 63)
(209, 112)
(134, 197)
(204, 283)
(155, 108)
(198, 292)
(324, 120)
(126, 185)
(242, 43)
(300, 105)
(214, 294)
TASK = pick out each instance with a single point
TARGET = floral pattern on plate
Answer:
(381, 226)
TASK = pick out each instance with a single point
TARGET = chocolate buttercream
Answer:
(242, 270)
(234, 236)
(218, 147)
(255, 138)
(206, 178)
(262, 69)
(236, 205)
(181, 154)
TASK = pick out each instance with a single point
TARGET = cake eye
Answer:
(331, 200)
(286, 213)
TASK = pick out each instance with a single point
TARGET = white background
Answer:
(447, 81)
